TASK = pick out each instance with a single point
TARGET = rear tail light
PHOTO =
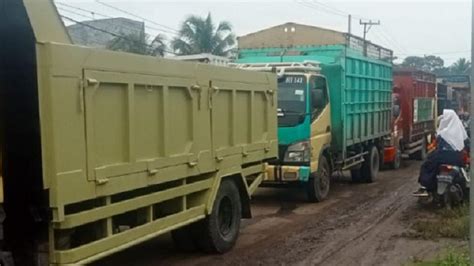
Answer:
(445, 168)
(465, 157)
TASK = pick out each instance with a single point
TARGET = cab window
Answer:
(319, 95)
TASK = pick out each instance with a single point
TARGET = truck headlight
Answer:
(298, 152)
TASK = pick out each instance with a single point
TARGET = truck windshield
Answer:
(291, 100)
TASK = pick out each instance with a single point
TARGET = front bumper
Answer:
(286, 173)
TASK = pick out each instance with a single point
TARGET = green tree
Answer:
(139, 43)
(201, 35)
(461, 67)
(427, 63)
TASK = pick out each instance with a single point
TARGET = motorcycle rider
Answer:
(451, 138)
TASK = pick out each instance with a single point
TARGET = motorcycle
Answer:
(453, 184)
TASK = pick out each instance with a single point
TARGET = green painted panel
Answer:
(304, 172)
(423, 110)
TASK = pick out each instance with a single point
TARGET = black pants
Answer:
(429, 168)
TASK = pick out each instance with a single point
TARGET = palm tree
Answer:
(200, 35)
(139, 44)
(461, 67)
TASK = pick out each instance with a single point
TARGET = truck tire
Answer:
(319, 182)
(183, 238)
(218, 232)
(370, 167)
(421, 154)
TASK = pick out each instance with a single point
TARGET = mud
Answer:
(359, 224)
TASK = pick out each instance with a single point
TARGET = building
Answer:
(97, 33)
(292, 34)
(204, 58)
(458, 92)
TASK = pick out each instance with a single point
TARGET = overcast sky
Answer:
(407, 27)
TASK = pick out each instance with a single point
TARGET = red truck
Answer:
(414, 116)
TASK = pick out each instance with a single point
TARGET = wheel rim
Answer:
(324, 182)
(225, 217)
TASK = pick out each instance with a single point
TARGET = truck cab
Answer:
(304, 128)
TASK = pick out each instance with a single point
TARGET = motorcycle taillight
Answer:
(445, 168)
(465, 157)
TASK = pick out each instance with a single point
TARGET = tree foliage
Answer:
(139, 43)
(201, 35)
(435, 64)
(427, 63)
(461, 67)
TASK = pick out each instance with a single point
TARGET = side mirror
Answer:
(317, 99)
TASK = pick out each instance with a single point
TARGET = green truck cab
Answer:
(334, 100)
(304, 127)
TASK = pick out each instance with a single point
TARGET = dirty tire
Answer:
(421, 154)
(397, 161)
(319, 183)
(218, 232)
(370, 167)
(183, 238)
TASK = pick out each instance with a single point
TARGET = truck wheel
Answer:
(397, 160)
(319, 183)
(371, 165)
(218, 232)
(421, 154)
(183, 238)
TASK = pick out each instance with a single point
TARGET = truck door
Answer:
(320, 118)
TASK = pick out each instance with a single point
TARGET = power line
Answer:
(318, 8)
(368, 25)
(107, 16)
(387, 32)
(92, 18)
(390, 41)
(341, 12)
(111, 33)
(439, 53)
(136, 16)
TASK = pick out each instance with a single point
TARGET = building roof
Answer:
(84, 33)
(291, 34)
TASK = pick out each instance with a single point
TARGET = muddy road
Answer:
(360, 224)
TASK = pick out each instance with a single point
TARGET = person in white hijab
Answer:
(450, 144)
(452, 130)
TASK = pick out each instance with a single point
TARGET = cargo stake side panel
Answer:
(125, 134)
(360, 90)
(368, 94)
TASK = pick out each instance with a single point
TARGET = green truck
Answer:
(103, 150)
(334, 103)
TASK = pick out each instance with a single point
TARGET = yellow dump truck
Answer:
(103, 150)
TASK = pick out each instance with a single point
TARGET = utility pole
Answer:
(349, 24)
(369, 23)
